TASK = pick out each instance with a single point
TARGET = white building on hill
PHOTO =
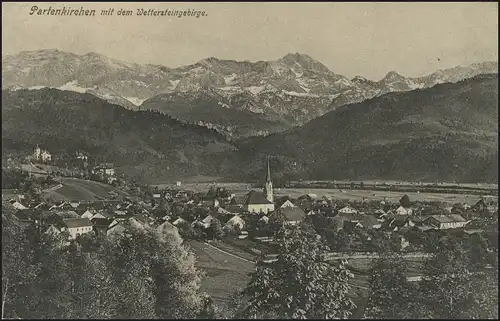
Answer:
(41, 155)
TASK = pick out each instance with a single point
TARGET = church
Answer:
(261, 202)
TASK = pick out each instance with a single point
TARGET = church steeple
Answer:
(268, 186)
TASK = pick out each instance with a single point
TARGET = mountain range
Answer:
(448, 132)
(236, 98)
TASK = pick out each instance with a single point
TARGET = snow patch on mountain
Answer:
(294, 93)
(73, 86)
(34, 87)
(136, 101)
(174, 83)
(229, 80)
(255, 89)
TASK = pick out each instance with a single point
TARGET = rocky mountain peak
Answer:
(303, 61)
(392, 75)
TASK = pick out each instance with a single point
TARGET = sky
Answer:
(367, 39)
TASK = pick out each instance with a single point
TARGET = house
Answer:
(24, 216)
(74, 204)
(41, 206)
(168, 228)
(41, 155)
(348, 210)
(310, 196)
(65, 206)
(78, 226)
(115, 228)
(349, 217)
(397, 222)
(403, 211)
(370, 222)
(210, 203)
(67, 214)
(120, 214)
(52, 230)
(292, 215)
(425, 228)
(105, 169)
(222, 211)
(287, 203)
(337, 222)
(16, 205)
(234, 209)
(88, 214)
(113, 223)
(101, 225)
(444, 222)
(256, 202)
(403, 243)
(417, 220)
(312, 212)
(207, 221)
(81, 156)
(179, 221)
(198, 223)
(264, 219)
(234, 221)
(45, 156)
(137, 222)
(100, 215)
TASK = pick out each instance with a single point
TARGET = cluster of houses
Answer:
(78, 218)
(105, 171)
(108, 217)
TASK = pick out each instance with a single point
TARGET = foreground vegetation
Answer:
(140, 274)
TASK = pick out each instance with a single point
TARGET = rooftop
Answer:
(77, 222)
(453, 218)
(292, 214)
(255, 197)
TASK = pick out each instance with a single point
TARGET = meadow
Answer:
(76, 189)
(240, 189)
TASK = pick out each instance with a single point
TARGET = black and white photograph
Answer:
(250, 160)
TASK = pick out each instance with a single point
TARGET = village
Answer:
(249, 222)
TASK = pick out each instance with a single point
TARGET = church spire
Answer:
(268, 176)
(268, 186)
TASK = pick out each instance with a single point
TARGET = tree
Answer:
(17, 271)
(300, 284)
(37, 283)
(276, 222)
(209, 309)
(215, 231)
(175, 278)
(405, 201)
(448, 282)
(162, 209)
(391, 295)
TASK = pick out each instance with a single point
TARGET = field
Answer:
(240, 189)
(224, 273)
(81, 190)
